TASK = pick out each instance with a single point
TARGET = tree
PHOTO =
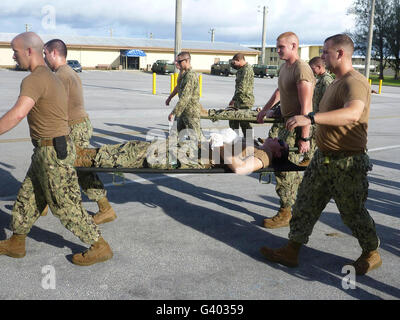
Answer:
(394, 38)
(361, 10)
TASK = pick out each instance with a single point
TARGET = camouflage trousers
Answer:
(191, 123)
(89, 181)
(160, 154)
(244, 125)
(54, 182)
(345, 180)
(287, 183)
(223, 114)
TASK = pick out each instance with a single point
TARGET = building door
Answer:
(133, 63)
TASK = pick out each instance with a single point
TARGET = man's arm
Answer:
(186, 95)
(18, 112)
(275, 98)
(305, 94)
(350, 113)
(173, 94)
(238, 165)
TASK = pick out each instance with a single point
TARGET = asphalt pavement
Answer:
(194, 236)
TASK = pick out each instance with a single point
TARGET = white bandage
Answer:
(224, 136)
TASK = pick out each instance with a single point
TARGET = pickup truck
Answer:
(222, 67)
(265, 70)
(163, 67)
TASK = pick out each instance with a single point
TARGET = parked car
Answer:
(263, 70)
(75, 65)
(223, 67)
(163, 67)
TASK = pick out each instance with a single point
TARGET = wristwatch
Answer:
(305, 139)
(311, 116)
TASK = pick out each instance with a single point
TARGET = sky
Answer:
(234, 21)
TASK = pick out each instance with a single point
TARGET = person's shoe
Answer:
(281, 219)
(304, 163)
(287, 255)
(14, 247)
(106, 213)
(45, 211)
(367, 261)
(85, 157)
(99, 251)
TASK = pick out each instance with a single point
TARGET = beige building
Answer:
(109, 52)
(306, 53)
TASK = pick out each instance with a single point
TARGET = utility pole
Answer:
(265, 11)
(178, 29)
(212, 31)
(370, 36)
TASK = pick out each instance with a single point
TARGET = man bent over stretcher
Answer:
(168, 154)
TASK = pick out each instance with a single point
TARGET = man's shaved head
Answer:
(341, 41)
(29, 40)
(289, 36)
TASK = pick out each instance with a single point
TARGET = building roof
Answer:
(137, 43)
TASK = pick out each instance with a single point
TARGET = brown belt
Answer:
(76, 121)
(45, 142)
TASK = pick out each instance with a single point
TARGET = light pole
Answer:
(178, 29)
(370, 36)
(212, 31)
(264, 32)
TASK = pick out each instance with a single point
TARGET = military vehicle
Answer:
(223, 67)
(163, 67)
(263, 70)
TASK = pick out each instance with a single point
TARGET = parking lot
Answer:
(194, 236)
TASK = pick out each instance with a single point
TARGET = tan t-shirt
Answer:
(73, 86)
(49, 116)
(289, 77)
(352, 137)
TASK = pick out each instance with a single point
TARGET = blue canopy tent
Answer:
(134, 55)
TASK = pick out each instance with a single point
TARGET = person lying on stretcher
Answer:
(223, 149)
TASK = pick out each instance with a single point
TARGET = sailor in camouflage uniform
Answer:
(340, 165)
(324, 79)
(55, 52)
(51, 177)
(187, 110)
(243, 97)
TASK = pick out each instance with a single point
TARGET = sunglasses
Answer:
(179, 61)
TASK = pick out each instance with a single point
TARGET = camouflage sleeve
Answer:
(186, 95)
(326, 81)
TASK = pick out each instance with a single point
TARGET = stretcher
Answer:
(252, 120)
(282, 167)
(265, 175)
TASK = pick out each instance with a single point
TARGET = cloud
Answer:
(237, 21)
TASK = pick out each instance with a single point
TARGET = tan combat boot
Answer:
(287, 255)
(85, 157)
(368, 261)
(106, 212)
(45, 211)
(304, 163)
(14, 247)
(281, 219)
(99, 251)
